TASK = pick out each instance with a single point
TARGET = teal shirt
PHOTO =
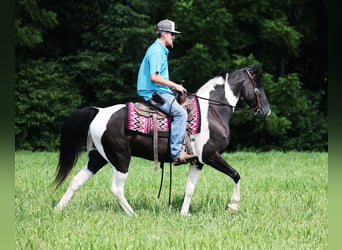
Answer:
(155, 61)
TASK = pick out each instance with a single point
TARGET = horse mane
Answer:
(224, 73)
(254, 70)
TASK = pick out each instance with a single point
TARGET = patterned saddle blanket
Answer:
(139, 118)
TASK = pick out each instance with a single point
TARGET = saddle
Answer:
(146, 110)
(146, 119)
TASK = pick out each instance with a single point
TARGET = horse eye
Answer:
(256, 91)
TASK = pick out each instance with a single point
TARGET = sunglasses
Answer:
(172, 34)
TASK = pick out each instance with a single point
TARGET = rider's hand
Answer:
(180, 88)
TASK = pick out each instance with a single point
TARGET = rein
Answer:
(219, 103)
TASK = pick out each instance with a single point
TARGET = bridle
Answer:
(257, 109)
(256, 91)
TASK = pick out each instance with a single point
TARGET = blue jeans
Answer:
(178, 124)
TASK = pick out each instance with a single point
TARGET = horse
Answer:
(107, 140)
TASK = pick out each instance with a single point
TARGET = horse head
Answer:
(253, 92)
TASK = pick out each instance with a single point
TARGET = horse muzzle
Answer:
(262, 114)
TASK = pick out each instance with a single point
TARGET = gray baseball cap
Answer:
(167, 26)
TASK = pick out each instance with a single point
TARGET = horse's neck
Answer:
(216, 118)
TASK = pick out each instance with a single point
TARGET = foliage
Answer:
(44, 98)
(108, 61)
(99, 45)
(294, 124)
(284, 205)
(30, 23)
(307, 126)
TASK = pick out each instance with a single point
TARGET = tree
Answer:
(108, 61)
(30, 24)
(43, 98)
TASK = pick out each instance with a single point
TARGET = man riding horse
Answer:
(156, 88)
(104, 131)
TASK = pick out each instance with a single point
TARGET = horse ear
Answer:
(256, 71)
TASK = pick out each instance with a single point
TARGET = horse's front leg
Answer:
(194, 173)
(216, 161)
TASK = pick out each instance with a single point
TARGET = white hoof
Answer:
(233, 207)
(58, 208)
(232, 210)
(186, 215)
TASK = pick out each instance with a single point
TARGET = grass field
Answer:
(284, 205)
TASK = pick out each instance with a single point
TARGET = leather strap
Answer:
(155, 141)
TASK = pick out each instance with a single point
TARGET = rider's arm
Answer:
(161, 80)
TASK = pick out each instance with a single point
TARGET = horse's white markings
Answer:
(193, 175)
(117, 188)
(234, 201)
(230, 97)
(78, 180)
(199, 140)
(98, 126)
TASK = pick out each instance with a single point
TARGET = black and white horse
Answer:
(104, 133)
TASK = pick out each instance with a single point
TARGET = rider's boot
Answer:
(186, 154)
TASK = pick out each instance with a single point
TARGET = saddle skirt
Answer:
(139, 118)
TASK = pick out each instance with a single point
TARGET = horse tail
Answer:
(73, 139)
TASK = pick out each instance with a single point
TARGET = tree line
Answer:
(76, 53)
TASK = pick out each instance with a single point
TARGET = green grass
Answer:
(284, 205)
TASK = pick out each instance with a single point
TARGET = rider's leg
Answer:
(178, 125)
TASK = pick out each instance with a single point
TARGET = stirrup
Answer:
(184, 159)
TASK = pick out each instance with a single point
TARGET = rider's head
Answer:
(166, 32)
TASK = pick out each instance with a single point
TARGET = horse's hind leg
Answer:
(194, 173)
(94, 164)
(117, 188)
